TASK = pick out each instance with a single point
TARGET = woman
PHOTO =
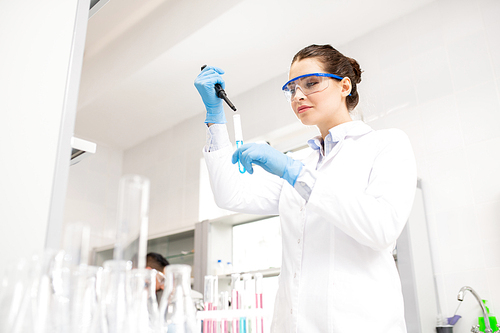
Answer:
(341, 209)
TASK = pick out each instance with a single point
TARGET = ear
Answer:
(346, 86)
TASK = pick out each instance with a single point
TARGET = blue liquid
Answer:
(240, 167)
(243, 326)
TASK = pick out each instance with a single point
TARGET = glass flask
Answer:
(114, 315)
(178, 314)
(14, 299)
(36, 301)
(144, 316)
(85, 297)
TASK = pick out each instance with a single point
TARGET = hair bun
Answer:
(357, 70)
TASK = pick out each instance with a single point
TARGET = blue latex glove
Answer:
(205, 84)
(269, 159)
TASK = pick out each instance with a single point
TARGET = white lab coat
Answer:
(337, 274)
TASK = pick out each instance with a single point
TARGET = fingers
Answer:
(245, 156)
(209, 77)
(213, 68)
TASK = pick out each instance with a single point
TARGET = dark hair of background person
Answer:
(156, 261)
(335, 62)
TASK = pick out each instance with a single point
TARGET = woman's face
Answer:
(324, 109)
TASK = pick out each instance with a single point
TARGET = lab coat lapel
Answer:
(359, 129)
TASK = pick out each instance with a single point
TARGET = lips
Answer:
(303, 108)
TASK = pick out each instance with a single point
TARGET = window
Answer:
(257, 245)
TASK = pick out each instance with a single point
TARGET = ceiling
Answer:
(142, 56)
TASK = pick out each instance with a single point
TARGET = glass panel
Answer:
(177, 249)
(257, 245)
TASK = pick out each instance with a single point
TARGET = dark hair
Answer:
(335, 62)
(156, 261)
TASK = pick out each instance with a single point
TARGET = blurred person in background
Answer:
(158, 262)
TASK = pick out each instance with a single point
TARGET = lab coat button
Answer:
(298, 241)
(291, 311)
(294, 275)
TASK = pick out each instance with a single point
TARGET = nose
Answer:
(298, 96)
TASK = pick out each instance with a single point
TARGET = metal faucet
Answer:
(479, 300)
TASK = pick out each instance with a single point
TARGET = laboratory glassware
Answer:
(258, 301)
(238, 137)
(129, 251)
(76, 244)
(11, 291)
(208, 300)
(167, 288)
(133, 209)
(246, 324)
(85, 293)
(114, 314)
(180, 313)
(215, 301)
(37, 305)
(79, 281)
(235, 300)
(144, 315)
(224, 305)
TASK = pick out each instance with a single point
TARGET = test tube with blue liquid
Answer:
(238, 137)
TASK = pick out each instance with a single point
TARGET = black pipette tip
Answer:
(221, 93)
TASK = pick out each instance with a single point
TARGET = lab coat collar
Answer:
(340, 132)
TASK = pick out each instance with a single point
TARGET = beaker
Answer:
(179, 314)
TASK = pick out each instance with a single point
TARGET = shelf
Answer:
(270, 272)
(180, 255)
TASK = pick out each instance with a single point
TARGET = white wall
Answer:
(433, 73)
(171, 161)
(35, 45)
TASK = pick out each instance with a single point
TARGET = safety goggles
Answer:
(308, 84)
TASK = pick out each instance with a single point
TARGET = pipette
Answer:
(221, 93)
(238, 137)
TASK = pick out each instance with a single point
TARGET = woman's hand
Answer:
(270, 159)
(205, 84)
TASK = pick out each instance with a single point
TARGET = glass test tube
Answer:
(215, 299)
(238, 137)
(208, 298)
(246, 302)
(224, 300)
(258, 301)
(235, 279)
